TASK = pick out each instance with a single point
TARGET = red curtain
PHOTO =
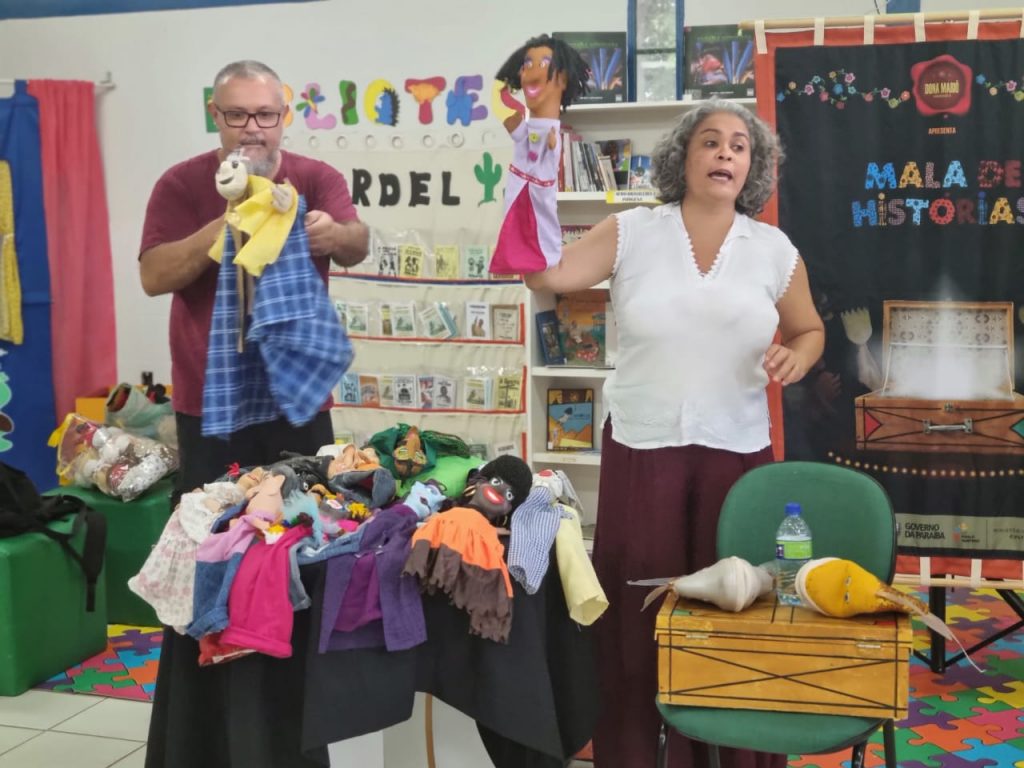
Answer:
(764, 76)
(78, 234)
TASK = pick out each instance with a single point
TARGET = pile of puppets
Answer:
(226, 567)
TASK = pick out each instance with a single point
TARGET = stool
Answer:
(44, 626)
(133, 527)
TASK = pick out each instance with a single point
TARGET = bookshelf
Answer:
(643, 123)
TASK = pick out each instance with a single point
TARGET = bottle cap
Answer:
(793, 508)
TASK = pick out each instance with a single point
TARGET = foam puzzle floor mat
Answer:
(126, 669)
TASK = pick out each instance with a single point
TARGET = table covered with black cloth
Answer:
(535, 699)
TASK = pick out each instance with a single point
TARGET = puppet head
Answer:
(409, 456)
(549, 71)
(232, 177)
(498, 487)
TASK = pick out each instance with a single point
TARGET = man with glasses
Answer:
(184, 216)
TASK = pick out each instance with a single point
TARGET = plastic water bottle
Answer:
(793, 548)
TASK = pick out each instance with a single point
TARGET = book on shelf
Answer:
(410, 260)
(719, 61)
(406, 392)
(505, 322)
(605, 55)
(474, 262)
(547, 336)
(446, 262)
(476, 392)
(581, 326)
(619, 152)
(426, 388)
(387, 260)
(570, 419)
(349, 390)
(403, 319)
(369, 390)
(386, 386)
(387, 325)
(604, 167)
(445, 392)
(478, 320)
(640, 172)
(478, 450)
(357, 318)
(510, 392)
(435, 322)
(341, 312)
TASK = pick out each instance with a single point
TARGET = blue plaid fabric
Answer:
(295, 348)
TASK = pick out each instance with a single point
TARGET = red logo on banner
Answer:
(942, 86)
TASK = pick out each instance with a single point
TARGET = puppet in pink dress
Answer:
(551, 75)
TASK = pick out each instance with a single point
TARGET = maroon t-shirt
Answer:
(184, 200)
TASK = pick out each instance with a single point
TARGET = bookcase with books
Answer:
(572, 340)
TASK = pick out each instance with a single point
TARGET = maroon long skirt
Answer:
(657, 515)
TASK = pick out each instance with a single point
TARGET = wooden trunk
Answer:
(945, 347)
(778, 658)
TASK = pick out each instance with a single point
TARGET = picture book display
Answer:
(570, 419)
(719, 61)
(605, 54)
(581, 327)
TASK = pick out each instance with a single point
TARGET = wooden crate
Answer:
(968, 337)
(779, 658)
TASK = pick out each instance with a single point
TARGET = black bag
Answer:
(24, 510)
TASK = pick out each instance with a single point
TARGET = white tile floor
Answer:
(43, 729)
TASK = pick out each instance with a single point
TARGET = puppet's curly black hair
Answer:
(564, 58)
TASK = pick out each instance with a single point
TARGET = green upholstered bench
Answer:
(44, 625)
(133, 527)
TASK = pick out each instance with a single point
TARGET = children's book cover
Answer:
(477, 392)
(510, 392)
(446, 262)
(605, 54)
(581, 327)
(387, 260)
(478, 320)
(640, 172)
(350, 389)
(474, 262)
(547, 335)
(410, 261)
(357, 318)
(387, 390)
(570, 419)
(426, 385)
(369, 390)
(406, 392)
(719, 61)
(445, 393)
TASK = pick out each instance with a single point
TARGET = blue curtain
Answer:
(26, 370)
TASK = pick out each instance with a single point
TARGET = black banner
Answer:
(904, 192)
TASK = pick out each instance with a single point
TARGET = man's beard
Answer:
(262, 164)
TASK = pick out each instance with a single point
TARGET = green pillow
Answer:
(451, 471)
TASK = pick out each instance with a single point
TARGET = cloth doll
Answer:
(551, 75)
(458, 551)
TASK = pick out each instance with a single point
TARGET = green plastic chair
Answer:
(851, 517)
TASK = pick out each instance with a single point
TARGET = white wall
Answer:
(162, 60)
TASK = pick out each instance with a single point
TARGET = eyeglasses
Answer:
(239, 118)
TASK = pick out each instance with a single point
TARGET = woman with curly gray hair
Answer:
(698, 289)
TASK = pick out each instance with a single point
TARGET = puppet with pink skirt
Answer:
(551, 74)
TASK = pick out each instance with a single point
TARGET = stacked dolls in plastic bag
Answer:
(116, 462)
